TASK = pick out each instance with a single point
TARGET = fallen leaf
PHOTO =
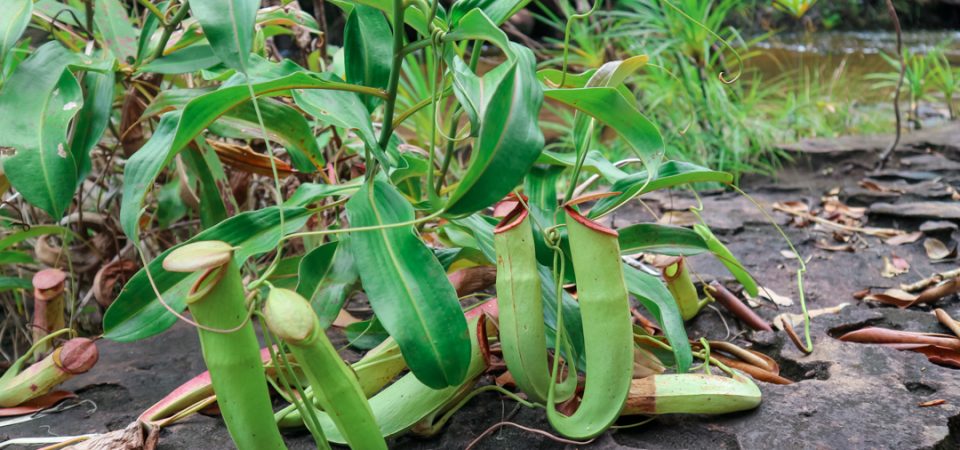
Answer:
(797, 319)
(756, 372)
(823, 245)
(937, 250)
(936, 402)
(895, 297)
(859, 295)
(109, 277)
(344, 319)
(940, 355)
(645, 363)
(877, 335)
(242, 157)
(137, 435)
(777, 299)
(871, 185)
(833, 206)
(905, 238)
(678, 218)
(37, 404)
(893, 266)
(794, 206)
(472, 279)
(788, 254)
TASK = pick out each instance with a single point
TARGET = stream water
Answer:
(845, 56)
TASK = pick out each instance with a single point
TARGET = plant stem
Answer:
(168, 28)
(896, 95)
(153, 10)
(399, 6)
(414, 46)
(89, 11)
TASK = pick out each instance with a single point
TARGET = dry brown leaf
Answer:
(645, 363)
(797, 319)
(940, 355)
(472, 279)
(111, 276)
(823, 245)
(895, 297)
(877, 335)
(344, 319)
(904, 299)
(136, 436)
(936, 402)
(859, 295)
(242, 157)
(834, 207)
(678, 218)
(794, 206)
(893, 266)
(905, 238)
(871, 185)
(37, 404)
(779, 300)
(937, 250)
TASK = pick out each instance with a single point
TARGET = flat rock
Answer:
(932, 162)
(933, 226)
(945, 138)
(936, 210)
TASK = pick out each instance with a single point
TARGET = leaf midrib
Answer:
(396, 264)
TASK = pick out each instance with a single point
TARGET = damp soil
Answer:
(846, 395)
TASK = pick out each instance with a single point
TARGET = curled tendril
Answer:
(79, 24)
(552, 237)
(566, 38)
(716, 36)
(437, 35)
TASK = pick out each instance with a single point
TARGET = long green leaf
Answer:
(37, 104)
(660, 239)
(594, 162)
(609, 106)
(215, 204)
(368, 49)
(407, 287)
(35, 231)
(308, 193)
(13, 21)
(284, 124)
(654, 296)
(327, 275)
(93, 118)
(228, 26)
(11, 283)
(138, 314)
(726, 258)
(149, 27)
(187, 60)
(498, 10)
(339, 108)
(119, 35)
(509, 140)
(670, 174)
(14, 257)
(177, 128)
(612, 75)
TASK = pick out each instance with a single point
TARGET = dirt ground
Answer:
(846, 395)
